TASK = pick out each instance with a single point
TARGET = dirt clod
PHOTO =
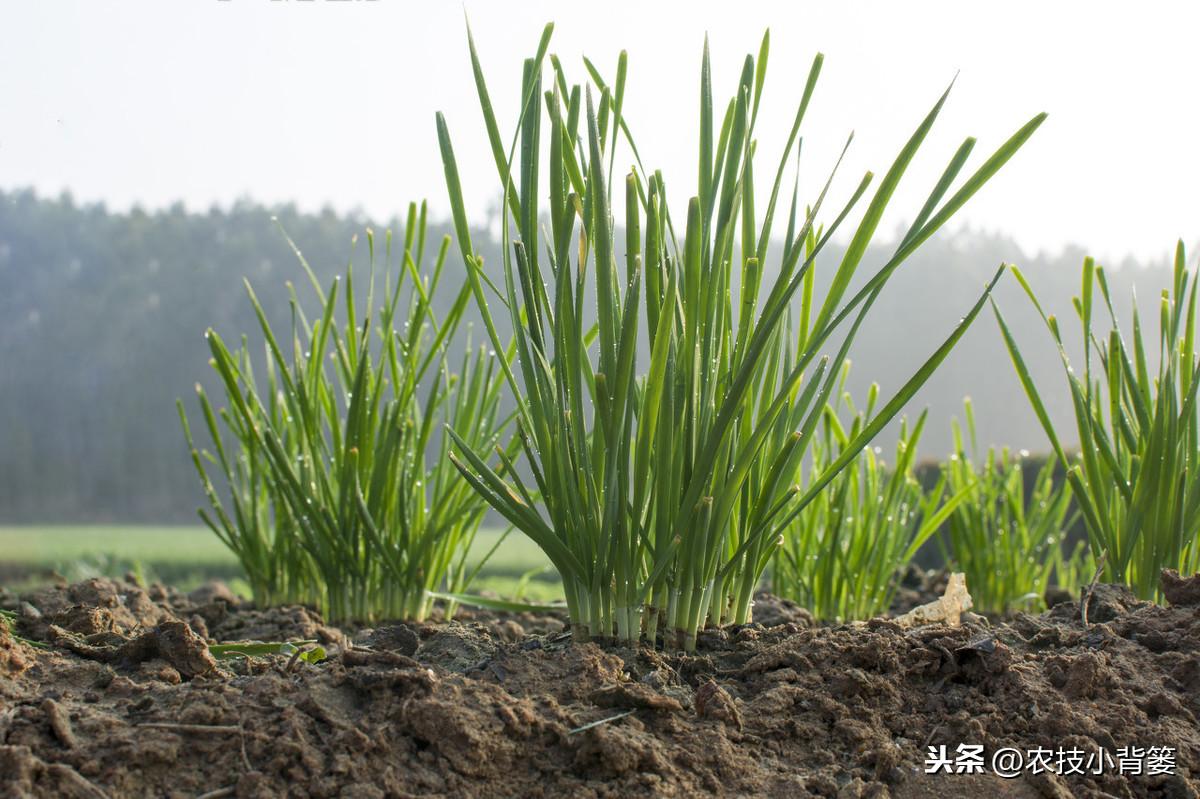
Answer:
(60, 723)
(173, 641)
(714, 702)
(14, 656)
(634, 695)
(395, 638)
(1180, 591)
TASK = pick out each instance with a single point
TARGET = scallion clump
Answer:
(338, 491)
(658, 486)
(1137, 422)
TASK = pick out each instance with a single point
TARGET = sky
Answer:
(332, 102)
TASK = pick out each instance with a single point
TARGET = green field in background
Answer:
(37, 545)
(185, 556)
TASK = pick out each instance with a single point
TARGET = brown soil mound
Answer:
(129, 702)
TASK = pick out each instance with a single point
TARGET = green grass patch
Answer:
(185, 556)
(48, 545)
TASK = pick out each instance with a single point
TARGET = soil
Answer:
(126, 700)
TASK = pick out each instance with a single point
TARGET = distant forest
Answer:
(102, 317)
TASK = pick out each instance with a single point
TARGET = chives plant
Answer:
(1134, 480)
(659, 492)
(840, 558)
(259, 531)
(340, 488)
(1008, 547)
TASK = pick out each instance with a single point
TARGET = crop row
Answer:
(679, 421)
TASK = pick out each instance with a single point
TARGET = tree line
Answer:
(103, 314)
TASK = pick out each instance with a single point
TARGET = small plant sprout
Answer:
(657, 486)
(340, 490)
(1135, 479)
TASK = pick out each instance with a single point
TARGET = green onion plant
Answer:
(657, 485)
(1135, 479)
(841, 557)
(338, 489)
(1008, 546)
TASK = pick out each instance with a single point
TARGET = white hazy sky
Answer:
(327, 102)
